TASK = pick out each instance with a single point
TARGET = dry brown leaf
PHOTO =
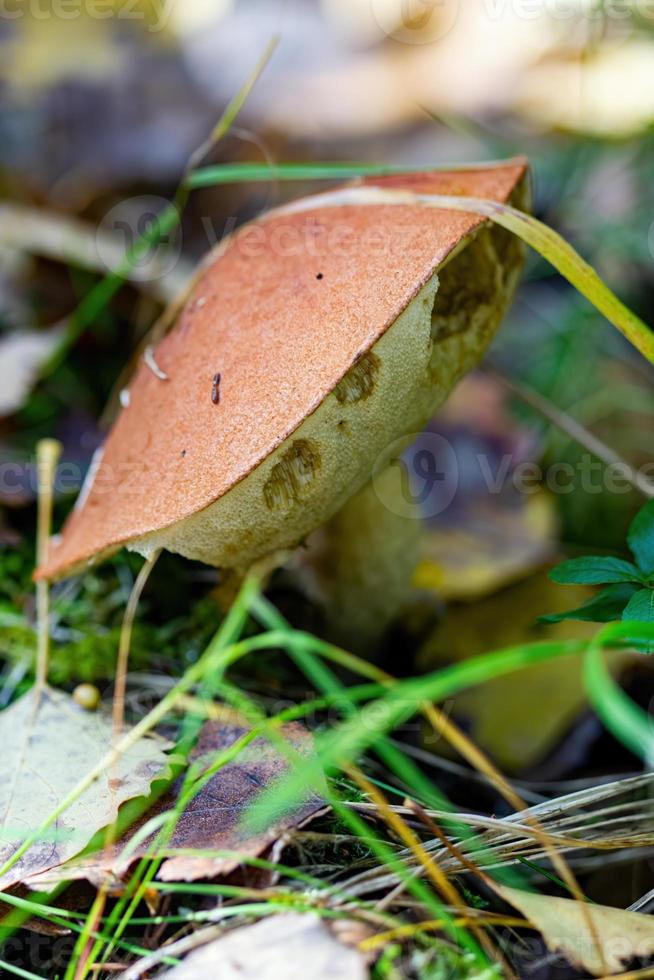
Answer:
(565, 927)
(212, 821)
(283, 947)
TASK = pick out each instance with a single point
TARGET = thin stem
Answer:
(47, 456)
(570, 427)
(122, 661)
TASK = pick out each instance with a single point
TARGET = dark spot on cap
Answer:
(319, 276)
(183, 452)
(292, 474)
(359, 382)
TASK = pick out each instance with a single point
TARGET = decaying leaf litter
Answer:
(508, 841)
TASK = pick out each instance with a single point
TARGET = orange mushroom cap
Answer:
(281, 314)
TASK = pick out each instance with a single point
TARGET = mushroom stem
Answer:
(359, 566)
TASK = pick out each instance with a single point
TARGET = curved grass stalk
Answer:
(543, 239)
(539, 236)
(623, 717)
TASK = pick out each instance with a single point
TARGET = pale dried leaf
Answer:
(49, 745)
(284, 947)
(565, 927)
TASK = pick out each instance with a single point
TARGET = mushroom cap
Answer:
(293, 303)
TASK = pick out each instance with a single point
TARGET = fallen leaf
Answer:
(489, 534)
(565, 927)
(518, 719)
(49, 744)
(213, 819)
(283, 947)
(486, 546)
(38, 231)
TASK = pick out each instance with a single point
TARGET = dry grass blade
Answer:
(443, 725)
(431, 867)
(570, 427)
(610, 817)
(409, 931)
(122, 660)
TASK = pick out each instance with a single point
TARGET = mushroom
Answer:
(311, 342)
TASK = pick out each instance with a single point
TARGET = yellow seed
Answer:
(87, 696)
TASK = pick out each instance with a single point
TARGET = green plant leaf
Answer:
(605, 607)
(641, 538)
(595, 570)
(640, 609)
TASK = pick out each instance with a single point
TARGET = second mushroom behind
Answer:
(314, 344)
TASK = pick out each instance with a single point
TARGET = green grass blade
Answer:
(242, 173)
(622, 717)
(347, 741)
(245, 173)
